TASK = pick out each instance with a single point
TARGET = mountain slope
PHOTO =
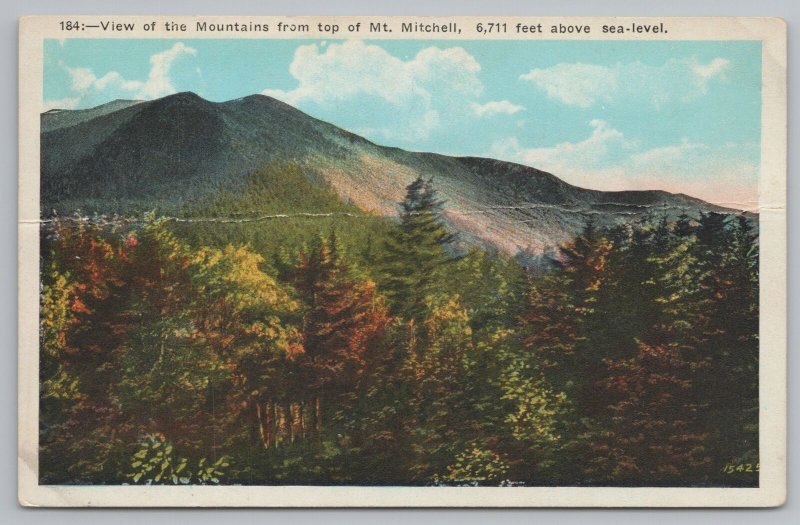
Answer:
(128, 157)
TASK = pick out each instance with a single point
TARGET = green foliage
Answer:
(277, 212)
(346, 349)
(637, 330)
(156, 463)
(439, 362)
(477, 465)
(415, 255)
(274, 189)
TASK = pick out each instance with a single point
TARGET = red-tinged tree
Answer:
(651, 414)
(82, 320)
(149, 336)
(556, 329)
(343, 327)
(650, 431)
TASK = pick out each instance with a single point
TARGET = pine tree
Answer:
(584, 268)
(727, 273)
(345, 321)
(416, 254)
(556, 334)
(651, 421)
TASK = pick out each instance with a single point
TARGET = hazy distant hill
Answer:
(128, 157)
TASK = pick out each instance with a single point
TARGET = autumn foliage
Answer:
(629, 358)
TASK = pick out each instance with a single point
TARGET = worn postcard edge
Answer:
(773, 258)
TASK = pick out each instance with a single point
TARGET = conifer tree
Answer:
(556, 334)
(727, 273)
(416, 253)
(345, 320)
(649, 420)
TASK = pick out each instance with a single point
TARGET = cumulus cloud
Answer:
(606, 160)
(495, 107)
(158, 81)
(83, 80)
(575, 84)
(341, 71)
(85, 84)
(602, 143)
(584, 85)
(416, 93)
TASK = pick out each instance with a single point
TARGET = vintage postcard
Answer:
(399, 261)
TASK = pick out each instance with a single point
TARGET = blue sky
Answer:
(679, 116)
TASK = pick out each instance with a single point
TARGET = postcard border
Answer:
(773, 300)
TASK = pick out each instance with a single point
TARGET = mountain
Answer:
(61, 118)
(128, 157)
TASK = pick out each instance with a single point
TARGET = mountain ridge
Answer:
(127, 157)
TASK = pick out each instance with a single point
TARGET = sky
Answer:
(612, 115)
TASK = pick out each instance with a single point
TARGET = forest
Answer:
(351, 349)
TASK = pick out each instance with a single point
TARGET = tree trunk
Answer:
(267, 422)
(276, 423)
(302, 414)
(263, 424)
(288, 421)
(255, 422)
(318, 410)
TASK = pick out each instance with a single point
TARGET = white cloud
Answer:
(575, 84)
(158, 82)
(84, 83)
(717, 67)
(352, 68)
(606, 160)
(495, 107)
(412, 96)
(584, 85)
(83, 80)
(561, 157)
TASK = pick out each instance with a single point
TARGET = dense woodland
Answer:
(350, 349)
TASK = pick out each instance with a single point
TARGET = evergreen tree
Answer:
(649, 423)
(727, 262)
(631, 358)
(343, 326)
(416, 254)
(555, 328)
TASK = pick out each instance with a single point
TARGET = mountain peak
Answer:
(258, 97)
(185, 96)
(266, 101)
(175, 151)
(62, 118)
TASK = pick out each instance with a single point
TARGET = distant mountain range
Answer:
(127, 157)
